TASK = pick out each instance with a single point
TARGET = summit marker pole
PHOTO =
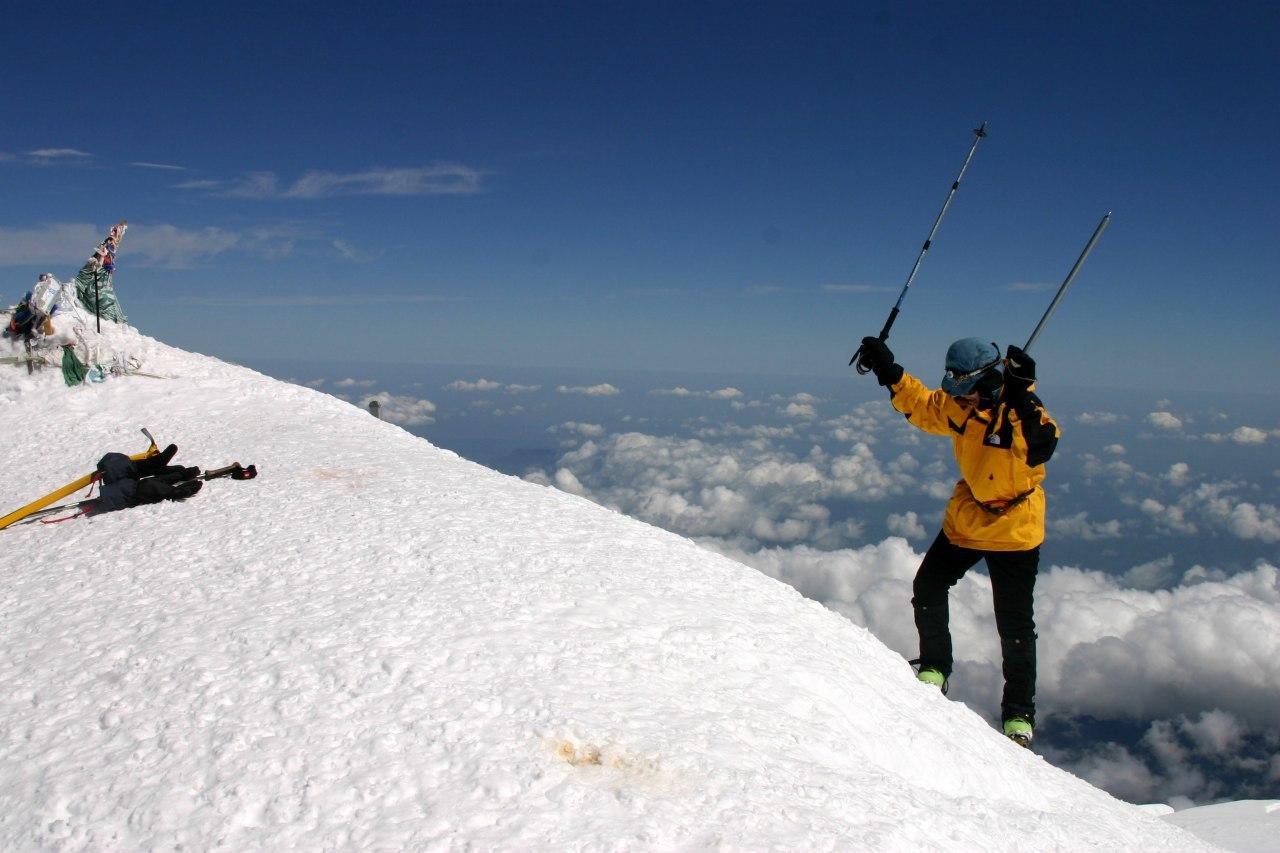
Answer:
(979, 134)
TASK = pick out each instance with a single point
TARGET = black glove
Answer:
(1019, 374)
(879, 359)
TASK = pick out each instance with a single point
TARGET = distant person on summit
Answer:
(1002, 437)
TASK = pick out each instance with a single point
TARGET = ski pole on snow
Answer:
(97, 301)
(978, 134)
(1062, 291)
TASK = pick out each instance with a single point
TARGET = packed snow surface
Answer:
(1247, 826)
(377, 644)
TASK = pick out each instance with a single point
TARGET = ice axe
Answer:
(74, 486)
(979, 134)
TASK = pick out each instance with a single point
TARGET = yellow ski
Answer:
(52, 497)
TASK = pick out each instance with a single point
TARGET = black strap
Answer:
(1001, 507)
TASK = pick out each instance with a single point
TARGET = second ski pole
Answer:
(1071, 276)
(979, 134)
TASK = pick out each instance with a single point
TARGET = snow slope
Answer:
(379, 644)
(1247, 826)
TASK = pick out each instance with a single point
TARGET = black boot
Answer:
(182, 491)
(156, 489)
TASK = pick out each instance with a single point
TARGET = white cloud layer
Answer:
(748, 492)
(1248, 435)
(681, 391)
(49, 155)
(348, 251)
(1164, 420)
(604, 389)
(906, 525)
(437, 179)
(1213, 505)
(1079, 526)
(799, 410)
(853, 288)
(156, 245)
(483, 385)
(478, 385)
(1182, 760)
(49, 244)
(583, 429)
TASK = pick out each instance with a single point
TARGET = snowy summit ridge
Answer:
(379, 644)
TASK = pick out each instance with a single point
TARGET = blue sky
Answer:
(670, 186)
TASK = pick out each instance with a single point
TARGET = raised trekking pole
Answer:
(97, 301)
(978, 135)
(1062, 291)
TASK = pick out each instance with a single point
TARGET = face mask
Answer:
(988, 388)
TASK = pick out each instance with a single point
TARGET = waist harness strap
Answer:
(1001, 507)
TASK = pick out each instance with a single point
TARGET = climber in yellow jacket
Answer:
(1002, 437)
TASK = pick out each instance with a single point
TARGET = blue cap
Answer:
(968, 360)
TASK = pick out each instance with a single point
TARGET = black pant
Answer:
(159, 488)
(1013, 581)
(158, 480)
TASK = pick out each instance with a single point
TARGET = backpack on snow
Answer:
(23, 318)
(40, 303)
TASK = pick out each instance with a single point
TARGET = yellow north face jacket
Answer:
(998, 505)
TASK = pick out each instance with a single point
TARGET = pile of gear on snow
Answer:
(60, 323)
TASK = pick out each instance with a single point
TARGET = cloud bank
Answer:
(681, 391)
(1164, 420)
(46, 156)
(478, 385)
(151, 245)
(604, 389)
(747, 492)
